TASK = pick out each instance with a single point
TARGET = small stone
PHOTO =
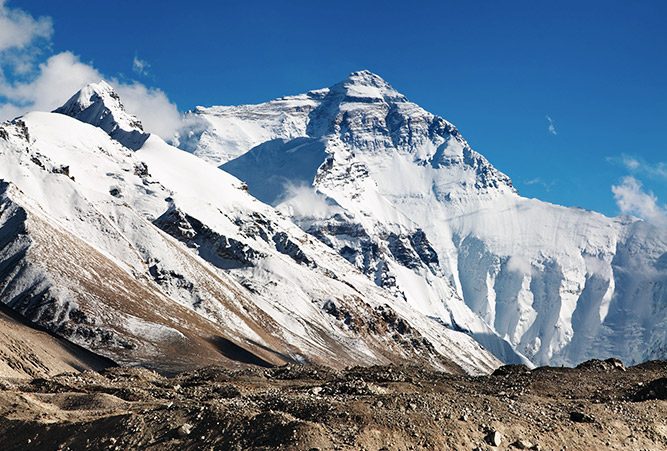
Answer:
(184, 430)
(580, 417)
(493, 438)
(521, 444)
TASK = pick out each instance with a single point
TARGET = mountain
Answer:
(148, 255)
(99, 105)
(399, 193)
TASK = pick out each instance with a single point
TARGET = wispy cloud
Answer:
(19, 29)
(551, 125)
(632, 199)
(29, 81)
(22, 39)
(639, 166)
(140, 66)
(547, 185)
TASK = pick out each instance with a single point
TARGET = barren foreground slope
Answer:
(599, 405)
(26, 352)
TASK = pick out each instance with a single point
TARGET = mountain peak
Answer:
(365, 84)
(99, 105)
(365, 77)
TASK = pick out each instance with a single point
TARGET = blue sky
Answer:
(498, 70)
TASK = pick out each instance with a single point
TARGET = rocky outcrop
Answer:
(222, 251)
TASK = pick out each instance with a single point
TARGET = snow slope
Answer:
(399, 193)
(155, 257)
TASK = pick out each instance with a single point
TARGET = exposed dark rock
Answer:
(656, 389)
(605, 365)
(581, 417)
(61, 170)
(288, 247)
(512, 370)
(364, 253)
(423, 247)
(413, 251)
(22, 129)
(141, 169)
(35, 159)
(402, 252)
(222, 251)
(340, 314)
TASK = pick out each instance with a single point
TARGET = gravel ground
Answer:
(598, 405)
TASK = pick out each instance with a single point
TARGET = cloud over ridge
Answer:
(27, 85)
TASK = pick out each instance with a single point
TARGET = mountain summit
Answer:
(399, 193)
(99, 105)
(363, 111)
(365, 84)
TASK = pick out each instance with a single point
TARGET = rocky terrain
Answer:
(598, 405)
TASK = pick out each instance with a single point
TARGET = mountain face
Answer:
(399, 193)
(148, 255)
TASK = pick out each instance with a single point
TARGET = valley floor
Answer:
(599, 405)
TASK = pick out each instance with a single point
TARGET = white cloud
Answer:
(61, 75)
(519, 265)
(631, 199)
(151, 106)
(630, 163)
(19, 29)
(57, 79)
(302, 201)
(637, 165)
(140, 66)
(552, 125)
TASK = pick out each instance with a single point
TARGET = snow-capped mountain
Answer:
(399, 193)
(148, 255)
(99, 105)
